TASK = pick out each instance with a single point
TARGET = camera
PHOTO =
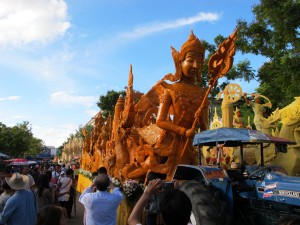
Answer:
(168, 185)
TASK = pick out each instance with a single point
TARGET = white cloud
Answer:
(17, 117)
(111, 43)
(162, 26)
(54, 136)
(10, 98)
(51, 69)
(69, 98)
(23, 22)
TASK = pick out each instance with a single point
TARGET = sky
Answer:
(58, 56)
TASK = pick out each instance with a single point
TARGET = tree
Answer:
(59, 151)
(4, 138)
(275, 34)
(107, 102)
(36, 146)
(18, 140)
(78, 132)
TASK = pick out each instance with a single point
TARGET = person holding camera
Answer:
(101, 206)
(151, 209)
(171, 201)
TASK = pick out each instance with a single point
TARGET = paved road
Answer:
(78, 219)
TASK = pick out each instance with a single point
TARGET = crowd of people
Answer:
(30, 193)
(45, 196)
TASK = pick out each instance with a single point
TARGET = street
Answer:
(78, 218)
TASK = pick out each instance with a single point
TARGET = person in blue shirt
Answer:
(101, 206)
(21, 207)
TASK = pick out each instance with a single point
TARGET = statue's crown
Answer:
(192, 44)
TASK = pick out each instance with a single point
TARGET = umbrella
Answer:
(232, 137)
(235, 137)
(17, 160)
(22, 163)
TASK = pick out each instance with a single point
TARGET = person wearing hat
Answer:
(63, 186)
(20, 208)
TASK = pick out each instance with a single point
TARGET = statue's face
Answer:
(192, 64)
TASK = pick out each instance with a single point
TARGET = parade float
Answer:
(155, 133)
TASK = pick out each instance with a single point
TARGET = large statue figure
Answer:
(177, 103)
(181, 99)
(182, 108)
(289, 117)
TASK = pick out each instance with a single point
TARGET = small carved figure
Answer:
(258, 109)
(238, 121)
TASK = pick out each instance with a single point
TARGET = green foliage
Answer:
(78, 132)
(89, 128)
(4, 138)
(275, 34)
(59, 151)
(18, 140)
(36, 146)
(246, 112)
(107, 102)
(242, 70)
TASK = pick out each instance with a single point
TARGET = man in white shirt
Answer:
(101, 206)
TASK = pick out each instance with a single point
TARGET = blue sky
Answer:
(58, 56)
